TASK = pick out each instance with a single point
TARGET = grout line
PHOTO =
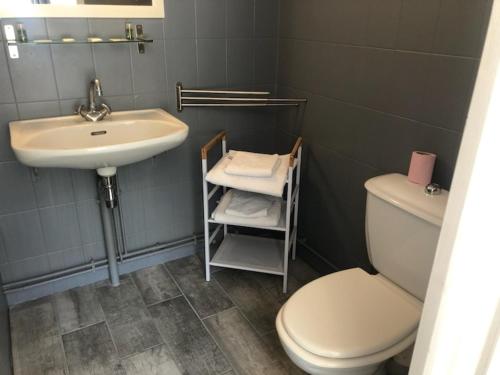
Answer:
(163, 300)
(390, 114)
(436, 25)
(83, 327)
(337, 44)
(336, 153)
(202, 322)
(240, 308)
(59, 329)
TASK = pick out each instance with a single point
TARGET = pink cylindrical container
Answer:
(421, 167)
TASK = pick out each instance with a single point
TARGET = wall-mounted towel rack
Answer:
(225, 98)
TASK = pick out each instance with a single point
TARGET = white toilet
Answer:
(350, 322)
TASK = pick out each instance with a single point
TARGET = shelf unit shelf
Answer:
(281, 227)
(251, 253)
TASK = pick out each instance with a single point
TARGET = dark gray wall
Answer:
(383, 78)
(5, 364)
(50, 221)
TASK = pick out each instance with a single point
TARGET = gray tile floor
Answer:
(161, 320)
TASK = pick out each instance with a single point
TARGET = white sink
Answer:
(121, 138)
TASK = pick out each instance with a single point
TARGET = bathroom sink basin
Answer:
(121, 138)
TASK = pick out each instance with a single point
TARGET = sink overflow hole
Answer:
(100, 132)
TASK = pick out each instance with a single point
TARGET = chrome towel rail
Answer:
(229, 98)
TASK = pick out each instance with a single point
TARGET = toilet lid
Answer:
(350, 314)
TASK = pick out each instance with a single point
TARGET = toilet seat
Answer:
(314, 364)
(349, 315)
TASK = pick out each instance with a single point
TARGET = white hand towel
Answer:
(250, 205)
(252, 165)
(271, 220)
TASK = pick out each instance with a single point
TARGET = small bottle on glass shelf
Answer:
(22, 36)
(129, 31)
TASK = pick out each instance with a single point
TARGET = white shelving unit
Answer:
(253, 253)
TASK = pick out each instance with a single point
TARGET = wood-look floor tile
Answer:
(36, 343)
(247, 352)
(130, 323)
(278, 353)
(207, 298)
(155, 361)
(155, 284)
(91, 351)
(78, 308)
(258, 305)
(274, 284)
(302, 271)
(189, 341)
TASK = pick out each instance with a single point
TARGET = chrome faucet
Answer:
(94, 112)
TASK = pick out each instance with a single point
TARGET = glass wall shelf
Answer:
(102, 41)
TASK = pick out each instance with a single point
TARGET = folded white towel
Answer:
(252, 165)
(271, 220)
(250, 205)
(270, 186)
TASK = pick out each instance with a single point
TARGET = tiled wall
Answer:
(383, 78)
(50, 219)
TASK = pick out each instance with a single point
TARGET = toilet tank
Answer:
(402, 230)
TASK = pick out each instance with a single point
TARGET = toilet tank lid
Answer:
(397, 190)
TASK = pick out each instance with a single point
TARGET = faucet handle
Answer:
(78, 110)
(106, 107)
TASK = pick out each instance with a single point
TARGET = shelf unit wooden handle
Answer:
(218, 138)
(295, 149)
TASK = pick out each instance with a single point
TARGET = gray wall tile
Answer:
(35, 27)
(179, 19)
(211, 62)
(53, 186)
(60, 260)
(383, 22)
(58, 28)
(181, 62)
(21, 235)
(119, 103)
(107, 27)
(17, 195)
(418, 24)
(149, 69)
(89, 219)
(33, 110)
(113, 67)
(74, 68)
(266, 14)
(69, 106)
(33, 76)
(60, 227)
(265, 61)
(6, 93)
(25, 268)
(460, 26)
(210, 18)
(8, 112)
(240, 18)
(240, 62)
(153, 28)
